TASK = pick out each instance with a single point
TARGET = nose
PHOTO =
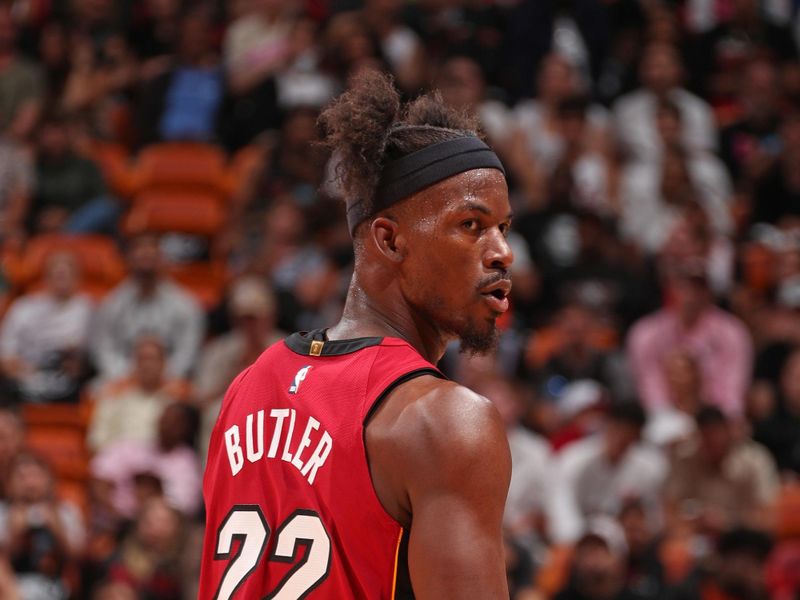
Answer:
(498, 253)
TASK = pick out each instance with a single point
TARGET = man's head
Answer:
(461, 83)
(557, 79)
(660, 69)
(194, 37)
(690, 291)
(29, 479)
(62, 275)
(144, 258)
(252, 307)
(149, 359)
(716, 434)
(599, 560)
(742, 555)
(53, 138)
(760, 89)
(624, 429)
(178, 426)
(436, 254)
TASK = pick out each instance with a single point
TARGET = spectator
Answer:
(41, 533)
(717, 340)
(129, 408)
(44, 337)
(182, 103)
(585, 178)
(297, 166)
(463, 85)
(780, 431)
(256, 47)
(596, 475)
(635, 113)
(751, 144)
(737, 572)
(573, 348)
(656, 193)
(531, 468)
(580, 407)
(598, 565)
(171, 459)
(539, 121)
(717, 481)
(149, 556)
(70, 192)
(146, 303)
(645, 572)
(747, 32)
(777, 193)
(22, 85)
(252, 311)
(16, 187)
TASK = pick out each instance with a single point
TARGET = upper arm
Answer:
(456, 476)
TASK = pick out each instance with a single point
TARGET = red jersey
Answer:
(290, 507)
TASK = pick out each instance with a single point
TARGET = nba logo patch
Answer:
(298, 379)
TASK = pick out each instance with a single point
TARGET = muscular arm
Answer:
(441, 465)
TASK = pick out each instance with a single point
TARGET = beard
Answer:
(474, 341)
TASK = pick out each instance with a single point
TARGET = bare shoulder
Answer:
(433, 434)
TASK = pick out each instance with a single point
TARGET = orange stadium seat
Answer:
(181, 166)
(57, 432)
(192, 212)
(204, 280)
(787, 512)
(102, 265)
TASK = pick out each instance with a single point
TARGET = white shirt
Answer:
(586, 484)
(648, 220)
(531, 468)
(39, 324)
(635, 123)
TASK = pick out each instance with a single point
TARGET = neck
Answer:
(385, 314)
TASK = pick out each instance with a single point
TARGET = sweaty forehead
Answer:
(483, 186)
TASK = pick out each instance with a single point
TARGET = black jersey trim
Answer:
(301, 343)
(393, 385)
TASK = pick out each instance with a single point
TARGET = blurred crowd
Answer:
(648, 373)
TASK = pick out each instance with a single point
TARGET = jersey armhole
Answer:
(393, 385)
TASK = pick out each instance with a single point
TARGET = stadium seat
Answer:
(787, 512)
(204, 280)
(57, 432)
(102, 265)
(162, 211)
(181, 166)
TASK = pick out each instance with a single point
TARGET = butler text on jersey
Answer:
(283, 444)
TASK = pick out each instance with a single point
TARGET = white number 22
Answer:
(246, 523)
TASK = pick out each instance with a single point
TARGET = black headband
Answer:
(408, 175)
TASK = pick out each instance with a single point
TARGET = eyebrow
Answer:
(482, 209)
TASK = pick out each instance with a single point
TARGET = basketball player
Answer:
(343, 464)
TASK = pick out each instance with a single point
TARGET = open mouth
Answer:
(497, 295)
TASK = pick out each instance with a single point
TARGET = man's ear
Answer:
(385, 235)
